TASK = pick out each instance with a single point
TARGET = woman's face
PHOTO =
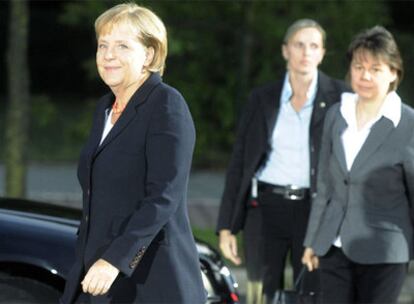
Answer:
(121, 58)
(304, 51)
(370, 76)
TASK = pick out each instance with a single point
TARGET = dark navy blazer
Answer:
(134, 201)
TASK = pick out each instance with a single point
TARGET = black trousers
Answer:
(284, 227)
(252, 244)
(344, 281)
(83, 298)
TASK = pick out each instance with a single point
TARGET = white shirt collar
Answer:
(391, 108)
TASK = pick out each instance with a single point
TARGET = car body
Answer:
(37, 250)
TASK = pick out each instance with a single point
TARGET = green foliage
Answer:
(206, 235)
(81, 13)
(58, 130)
(209, 236)
(219, 50)
(44, 112)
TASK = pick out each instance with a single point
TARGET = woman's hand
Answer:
(228, 245)
(99, 278)
(310, 259)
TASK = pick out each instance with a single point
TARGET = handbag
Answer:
(296, 295)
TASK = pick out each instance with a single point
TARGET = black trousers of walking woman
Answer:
(284, 227)
(344, 281)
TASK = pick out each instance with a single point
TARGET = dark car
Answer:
(37, 242)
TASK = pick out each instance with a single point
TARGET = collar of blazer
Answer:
(377, 136)
(139, 98)
(325, 96)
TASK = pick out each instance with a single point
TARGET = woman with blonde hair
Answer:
(135, 243)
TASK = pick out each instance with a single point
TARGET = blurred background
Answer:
(218, 51)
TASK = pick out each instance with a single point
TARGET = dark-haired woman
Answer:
(360, 231)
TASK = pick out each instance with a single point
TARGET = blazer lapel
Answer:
(271, 104)
(379, 132)
(119, 126)
(320, 105)
(98, 125)
(139, 98)
(337, 146)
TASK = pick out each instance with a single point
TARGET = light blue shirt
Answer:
(289, 160)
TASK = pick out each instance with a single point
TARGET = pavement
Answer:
(57, 183)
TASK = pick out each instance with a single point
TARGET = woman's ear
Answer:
(393, 75)
(149, 56)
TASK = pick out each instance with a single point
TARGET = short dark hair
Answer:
(381, 44)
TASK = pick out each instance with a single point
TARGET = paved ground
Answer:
(58, 184)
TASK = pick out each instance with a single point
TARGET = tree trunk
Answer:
(17, 117)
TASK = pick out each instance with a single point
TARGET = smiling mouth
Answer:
(111, 68)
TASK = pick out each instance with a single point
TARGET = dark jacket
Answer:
(134, 201)
(253, 144)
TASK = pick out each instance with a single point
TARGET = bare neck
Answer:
(300, 84)
(366, 111)
(124, 94)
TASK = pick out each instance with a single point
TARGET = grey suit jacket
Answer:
(371, 206)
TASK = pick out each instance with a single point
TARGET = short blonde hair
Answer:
(302, 24)
(150, 29)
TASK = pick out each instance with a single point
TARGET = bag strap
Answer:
(299, 279)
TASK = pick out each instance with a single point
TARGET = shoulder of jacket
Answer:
(166, 97)
(407, 111)
(261, 94)
(267, 87)
(104, 101)
(105, 98)
(335, 82)
(333, 111)
(166, 93)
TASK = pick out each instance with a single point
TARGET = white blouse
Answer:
(352, 138)
(108, 125)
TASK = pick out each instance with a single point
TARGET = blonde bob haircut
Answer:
(148, 27)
